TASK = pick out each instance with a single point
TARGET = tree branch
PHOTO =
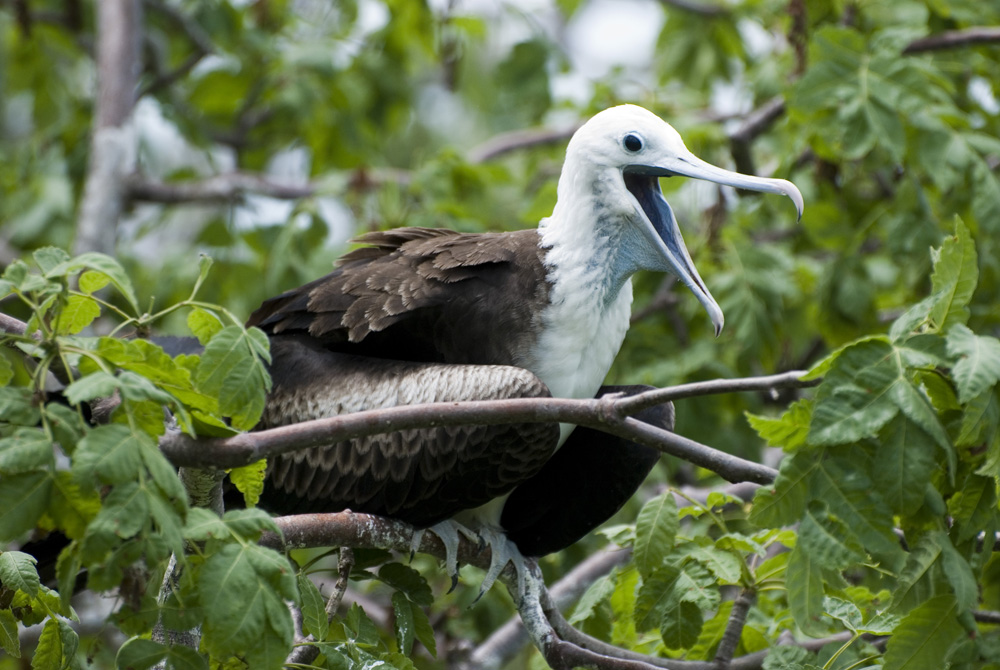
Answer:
(113, 151)
(954, 39)
(752, 127)
(515, 140)
(601, 414)
(734, 630)
(705, 10)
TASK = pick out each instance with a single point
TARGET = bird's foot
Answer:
(502, 551)
(447, 531)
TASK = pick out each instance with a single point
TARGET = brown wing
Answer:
(423, 294)
(419, 476)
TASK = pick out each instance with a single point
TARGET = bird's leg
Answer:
(447, 531)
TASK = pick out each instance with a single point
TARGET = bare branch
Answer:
(734, 630)
(784, 380)
(199, 39)
(519, 139)
(345, 563)
(706, 10)
(113, 151)
(954, 39)
(753, 126)
(12, 326)
(500, 647)
(601, 414)
(234, 185)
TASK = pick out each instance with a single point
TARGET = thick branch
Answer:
(112, 152)
(601, 414)
(954, 39)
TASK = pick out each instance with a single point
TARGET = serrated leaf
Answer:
(924, 636)
(789, 431)
(854, 400)
(49, 651)
(827, 540)
(655, 530)
(111, 454)
(725, 566)
(361, 628)
(249, 480)
(973, 508)
(9, 640)
(231, 369)
(248, 524)
(17, 571)
(959, 574)
(697, 585)
(403, 624)
(956, 273)
(623, 602)
(314, 619)
(596, 593)
(203, 324)
(242, 589)
(6, 370)
(140, 653)
(78, 313)
(844, 611)
(48, 258)
(70, 507)
(978, 361)
(23, 499)
(409, 581)
(180, 657)
(101, 263)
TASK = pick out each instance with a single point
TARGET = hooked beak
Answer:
(642, 181)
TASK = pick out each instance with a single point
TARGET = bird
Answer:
(419, 315)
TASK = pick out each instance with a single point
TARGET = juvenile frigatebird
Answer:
(424, 315)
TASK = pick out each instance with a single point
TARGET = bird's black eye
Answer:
(632, 142)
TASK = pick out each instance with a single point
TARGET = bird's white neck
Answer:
(590, 301)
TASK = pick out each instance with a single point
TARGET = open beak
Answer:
(642, 181)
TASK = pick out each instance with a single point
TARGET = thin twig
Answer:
(345, 563)
(515, 140)
(784, 380)
(734, 631)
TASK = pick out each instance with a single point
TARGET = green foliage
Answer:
(887, 289)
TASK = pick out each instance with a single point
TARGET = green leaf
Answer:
(139, 653)
(314, 619)
(101, 263)
(959, 574)
(827, 540)
(92, 281)
(9, 640)
(680, 624)
(655, 530)
(23, 498)
(17, 571)
(249, 480)
(924, 636)
(203, 324)
(48, 258)
(695, 584)
(403, 622)
(954, 279)
(79, 312)
(17, 407)
(97, 385)
(49, 652)
(804, 583)
(916, 580)
(6, 370)
(978, 361)
(725, 566)
(592, 598)
(973, 508)
(853, 401)
(782, 503)
(27, 450)
(70, 507)
(231, 369)
(851, 497)
(409, 581)
(655, 593)
(903, 464)
(789, 431)
(243, 589)
(111, 454)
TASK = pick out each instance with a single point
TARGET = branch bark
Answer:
(113, 147)
(954, 39)
(602, 414)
